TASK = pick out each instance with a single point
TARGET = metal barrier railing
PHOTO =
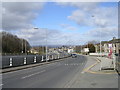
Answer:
(12, 61)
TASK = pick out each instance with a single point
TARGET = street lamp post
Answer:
(46, 46)
(100, 51)
(100, 46)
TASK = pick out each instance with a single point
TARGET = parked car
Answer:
(74, 55)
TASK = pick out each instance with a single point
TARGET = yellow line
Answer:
(91, 66)
(93, 72)
(96, 72)
(118, 63)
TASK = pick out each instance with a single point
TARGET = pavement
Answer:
(80, 72)
(93, 77)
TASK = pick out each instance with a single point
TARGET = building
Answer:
(70, 50)
(32, 50)
(114, 44)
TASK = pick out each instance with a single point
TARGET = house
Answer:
(70, 50)
(32, 50)
(113, 44)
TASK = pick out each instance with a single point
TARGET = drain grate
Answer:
(107, 69)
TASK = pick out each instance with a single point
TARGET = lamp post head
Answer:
(36, 28)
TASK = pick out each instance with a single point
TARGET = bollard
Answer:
(35, 59)
(52, 57)
(25, 61)
(58, 56)
(55, 56)
(10, 61)
(42, 58)
(48, 58)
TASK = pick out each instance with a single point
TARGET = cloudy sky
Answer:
(61, 23)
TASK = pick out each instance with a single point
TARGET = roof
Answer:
(111, 41)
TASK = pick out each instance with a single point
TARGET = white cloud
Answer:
(81, 5)
(54, 37)
(106, 33)
(98, 17)
(19, 15)
(91, 14)
(85, 0)
(68, 27)
(101, 18)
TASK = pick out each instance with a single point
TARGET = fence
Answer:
(14, 61)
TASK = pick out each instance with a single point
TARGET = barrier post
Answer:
(35, 59)
(58, 56)
(10, 61)
(48, 58)
(52, 57)
(42, 58)
(25, 61)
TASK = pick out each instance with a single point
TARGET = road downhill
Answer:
(53, 75)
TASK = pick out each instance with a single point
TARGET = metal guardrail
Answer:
(14, 61)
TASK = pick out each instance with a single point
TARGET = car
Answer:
(74, 55)
(116, 54)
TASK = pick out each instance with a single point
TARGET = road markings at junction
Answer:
(83, 72)
(73, 64)
(96, 72)
(33, 74)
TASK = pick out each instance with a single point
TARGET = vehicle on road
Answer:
(74, 55)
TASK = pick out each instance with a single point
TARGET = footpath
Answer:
(97, 73)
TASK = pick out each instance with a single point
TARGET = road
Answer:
(53, 75)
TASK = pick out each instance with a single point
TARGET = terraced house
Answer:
(114, 44)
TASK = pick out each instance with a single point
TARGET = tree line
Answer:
(90, 45)
(12, 44)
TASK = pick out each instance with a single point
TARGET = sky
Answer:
(61, 23)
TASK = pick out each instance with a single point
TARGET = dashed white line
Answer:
(33, 74)
(82, 72)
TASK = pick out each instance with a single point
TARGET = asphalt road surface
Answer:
(53, 75)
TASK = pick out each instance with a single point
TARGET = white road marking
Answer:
(1, 84)
(33, 74)
(82, 72)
